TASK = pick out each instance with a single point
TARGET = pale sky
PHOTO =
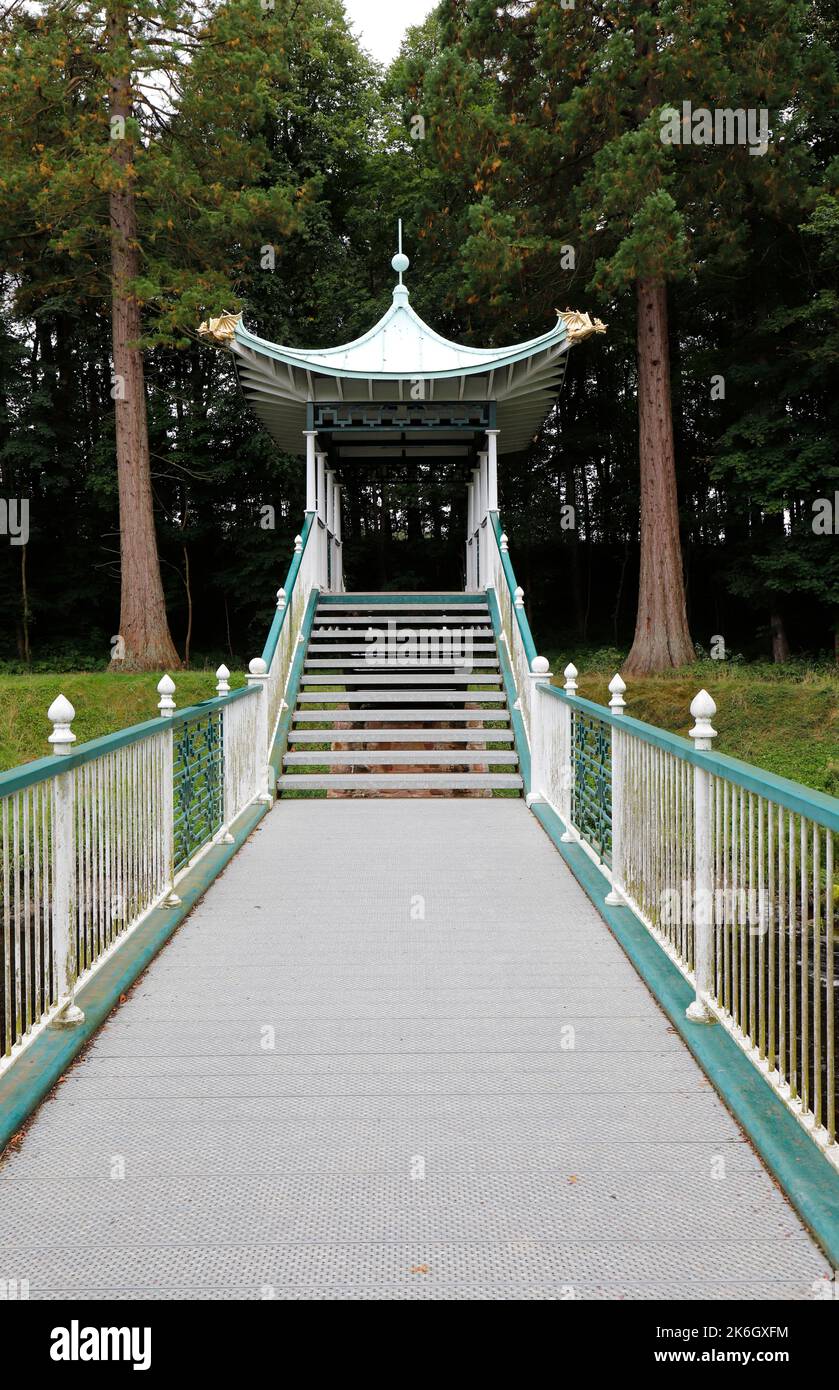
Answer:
(381, 24)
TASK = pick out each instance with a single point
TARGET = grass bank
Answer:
(782, 718)
(103, 703)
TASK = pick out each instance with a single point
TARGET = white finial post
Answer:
(518, 597)
(281, 599)
(567, 782)
(298, 545)
(505, 543)
(617, 687)
(64, 959)
(539, 672)
(61, 714)
(166, 689)
(223, 680)
(258, 676)
(703, 710)
(617, 704)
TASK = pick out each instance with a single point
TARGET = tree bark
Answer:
(780, 641)
(143, 623)
(662, 637)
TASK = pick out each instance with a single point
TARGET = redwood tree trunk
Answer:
(662, 637)
(143, 623)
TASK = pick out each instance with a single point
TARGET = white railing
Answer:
(307, 572)
(96, 837)
(730, 868)
(515, 629)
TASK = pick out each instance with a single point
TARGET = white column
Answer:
(258, 675)
(470, 543)
(482, 487)
(64, 960)
(477, 565)
(703, 709)
(321, 537)
(311, 479)
(539, 671)
(336, 511)
(617, 704)
(492, 470)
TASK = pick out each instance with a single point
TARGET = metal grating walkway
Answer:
(420, 1128)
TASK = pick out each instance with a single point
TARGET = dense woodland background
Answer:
(260, 127)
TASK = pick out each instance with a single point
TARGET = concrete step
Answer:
(417, 735)
(398, 781)
(350, 649)
(425, 610)
(383, 678)
(403, 716)
(354, 663)
(393, 757)
(375, 697)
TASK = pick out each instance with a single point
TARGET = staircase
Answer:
(401, 696)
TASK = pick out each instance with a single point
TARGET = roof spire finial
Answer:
(400, 261)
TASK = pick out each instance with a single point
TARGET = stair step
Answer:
(350, 649)
(435, 697)
(403, 716)
(343, 665)
(398, 781)
(385, 757)
(424, 610)
(418, 735)
(383, 678)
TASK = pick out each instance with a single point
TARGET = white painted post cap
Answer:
(617, 686)
(61, 714)
(505, 543)
(257, 667)
(571, 673)
(281, 598)
(298, 544)
(703, 709)
(519, 597)
(166, 689)
(540, 666)
(223, 679)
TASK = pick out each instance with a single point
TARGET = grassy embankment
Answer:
(785, 719)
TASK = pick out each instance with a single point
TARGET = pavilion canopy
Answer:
(400, 361)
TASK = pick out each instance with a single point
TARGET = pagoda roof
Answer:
(388, 361)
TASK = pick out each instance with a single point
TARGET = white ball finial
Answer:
(166, 689)
(505, 543)
(257, 667)
(540, 666)
(223, 678)
(298, 545)
(617, 686)
(400, 262)
(703, 709)
(281, 598)
(571, 674)
(518, 597)
(61, 714)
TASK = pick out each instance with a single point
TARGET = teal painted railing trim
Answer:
(42, 769)
(290, 581)
(519, 731)
(521, 617)
(415, 600)
(805, 801)
(280, 743)
(809, 1179)
(34, 1073)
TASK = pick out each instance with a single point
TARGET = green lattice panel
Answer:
(592, 794)
(198, 784)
